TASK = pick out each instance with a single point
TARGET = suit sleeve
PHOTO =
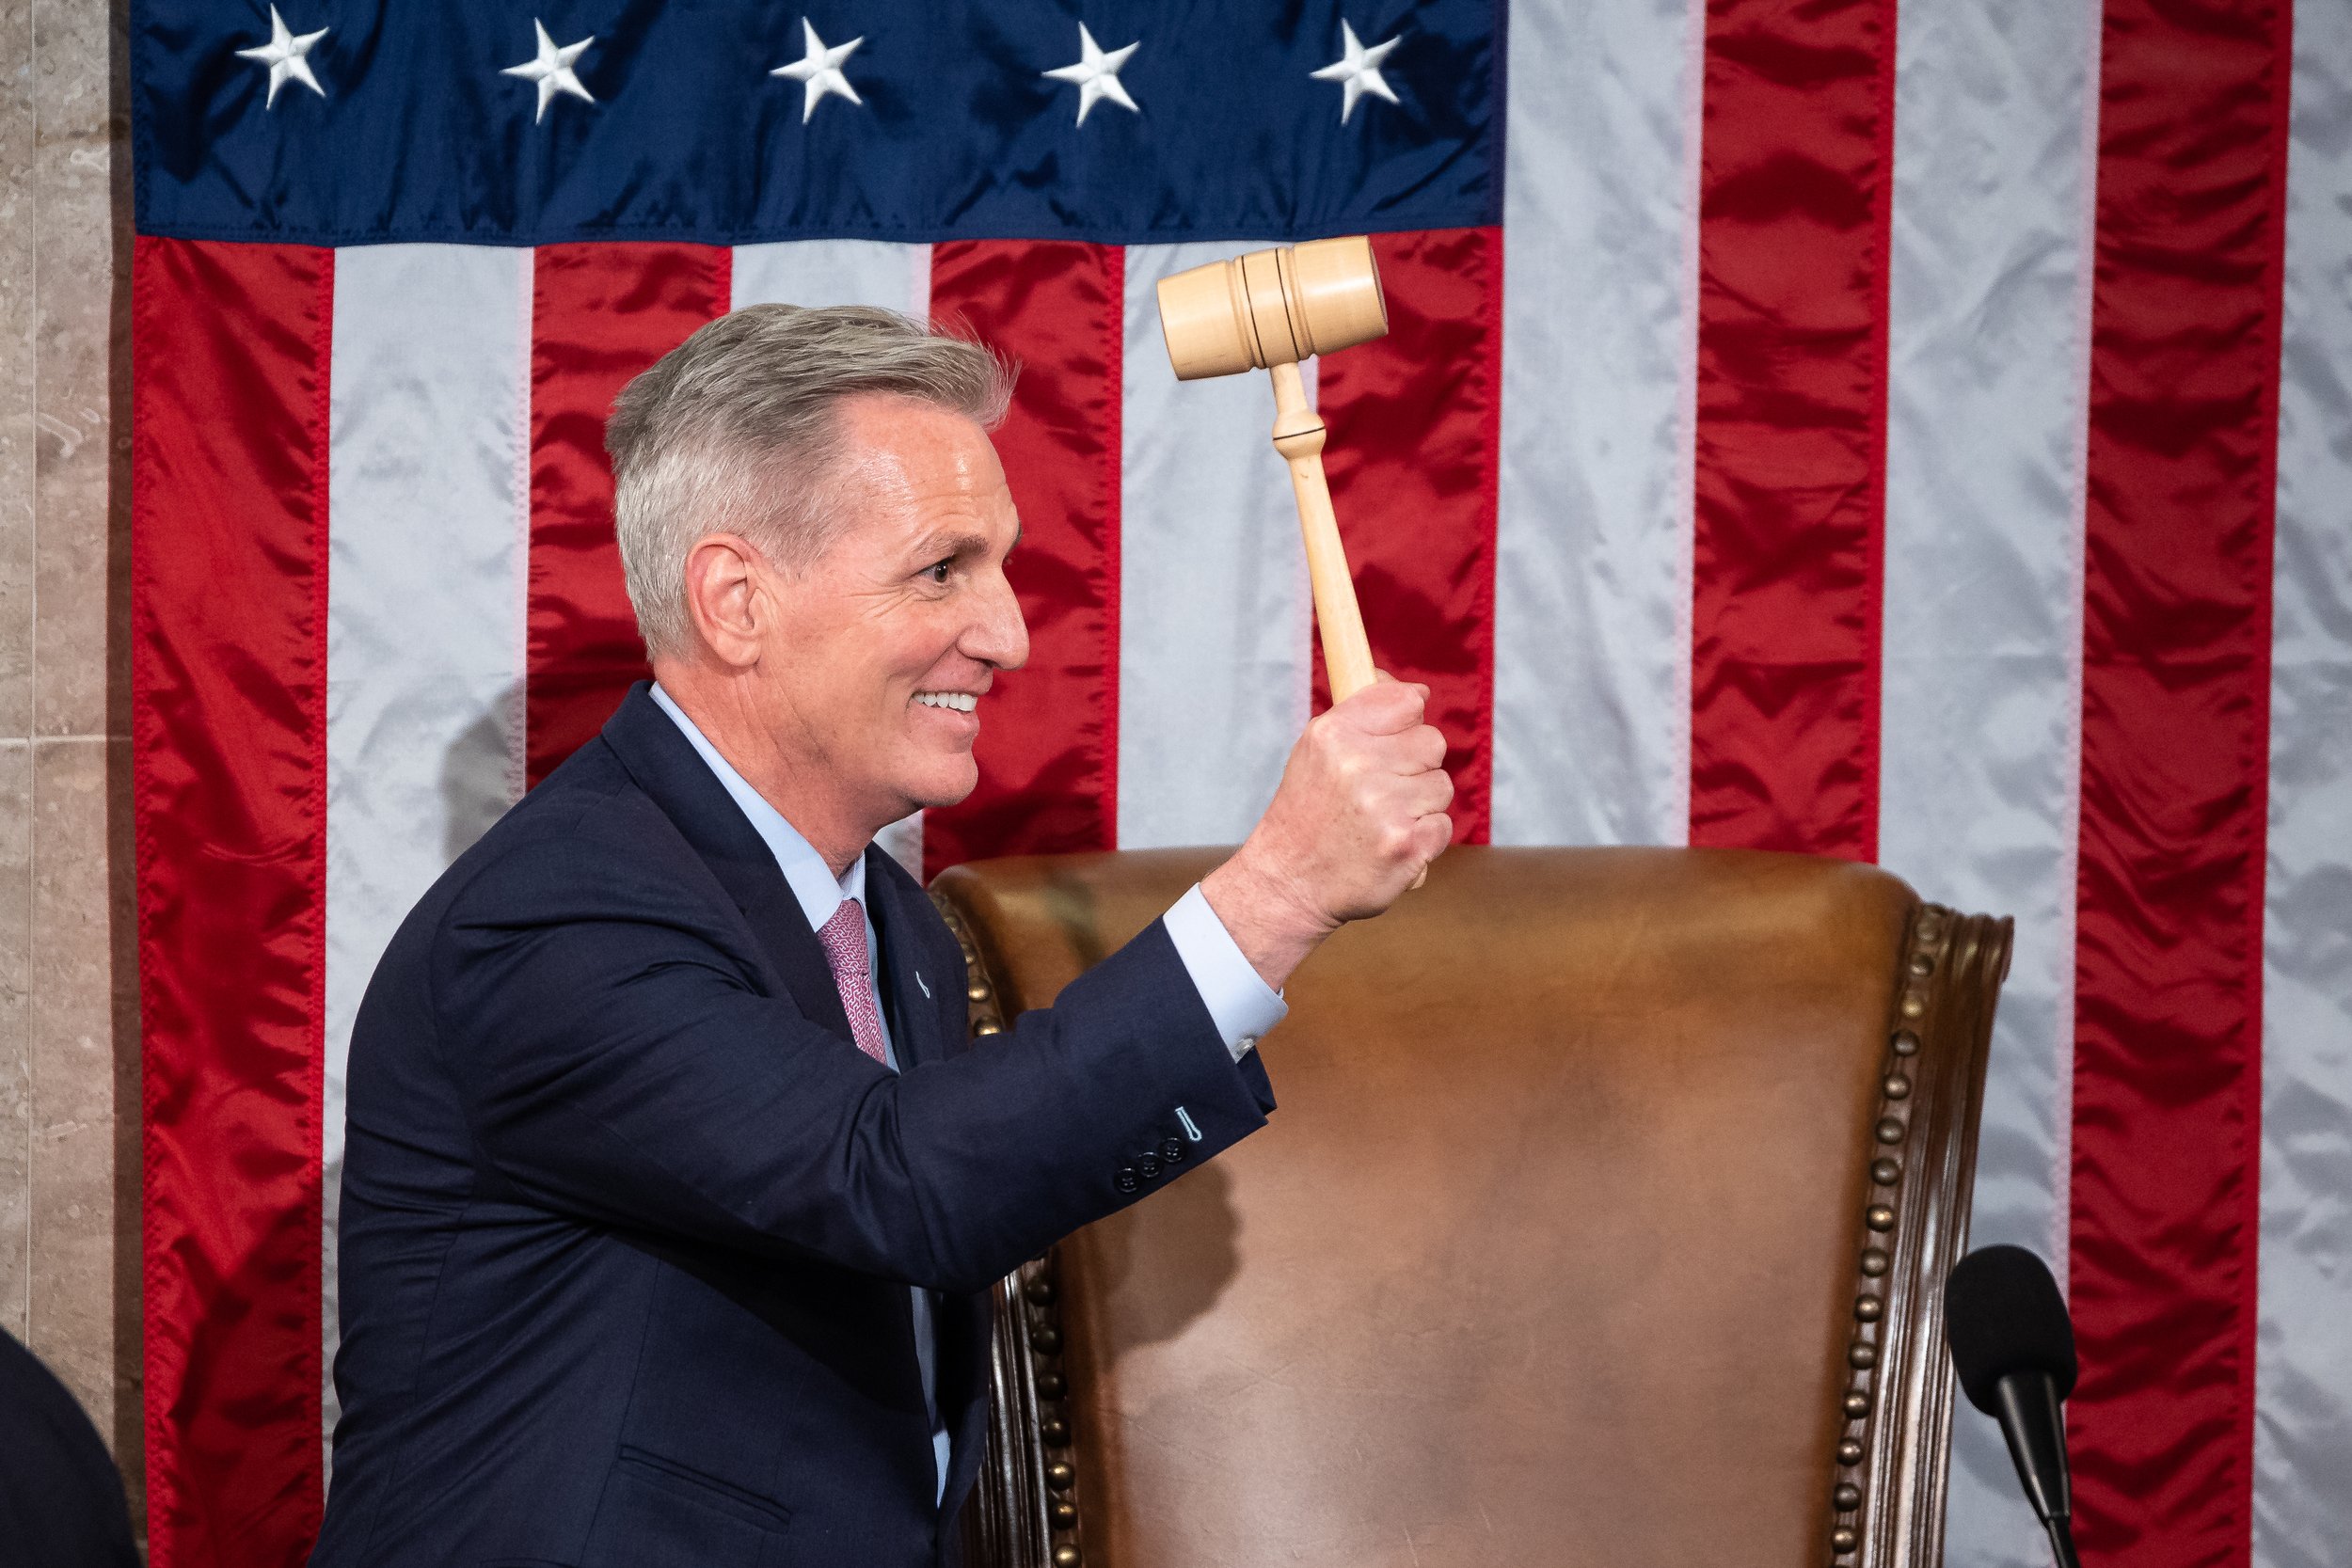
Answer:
(616, 1063)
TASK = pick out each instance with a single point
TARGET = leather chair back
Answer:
(1603, 1220)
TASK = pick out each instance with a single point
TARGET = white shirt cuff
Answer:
(1239, 1001)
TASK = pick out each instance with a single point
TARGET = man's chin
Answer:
(942, 787)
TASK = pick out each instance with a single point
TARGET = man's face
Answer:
(886, 643)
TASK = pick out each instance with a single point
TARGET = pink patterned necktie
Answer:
(844, 937)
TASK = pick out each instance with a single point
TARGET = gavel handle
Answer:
(1299, 437)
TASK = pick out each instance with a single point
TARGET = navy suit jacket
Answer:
(627, 1219)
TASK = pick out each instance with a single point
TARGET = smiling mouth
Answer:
(962, 701)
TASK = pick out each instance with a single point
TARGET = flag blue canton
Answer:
(413, 124)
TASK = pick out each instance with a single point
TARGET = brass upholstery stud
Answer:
(1066, 1556)
(1862, 1356)
(988, 1026)
(1882, 1171)
(1034, 1305)
(1868, 1308)
(1890, 1131)
(1879, 1217)
(1850, 1452)
(1857, 1403)
(1921, 964)
(1847, 1498)
(1906, 1043)
(976, 991)
(1913, 1005)
(1873, 1262)
(1843, 1540)
(1897, 1086)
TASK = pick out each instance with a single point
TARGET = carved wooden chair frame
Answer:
(1885, 1508)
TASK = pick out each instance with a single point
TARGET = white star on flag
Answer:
(820, 71)
(1097, 74)
(286, 56)
(1356, 69)
(553, 69)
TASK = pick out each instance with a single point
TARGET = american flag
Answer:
(1911, 432)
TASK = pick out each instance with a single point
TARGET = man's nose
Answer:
(1000, 635)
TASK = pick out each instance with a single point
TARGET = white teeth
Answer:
(962, 701)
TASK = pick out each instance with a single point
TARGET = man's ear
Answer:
(727, 597)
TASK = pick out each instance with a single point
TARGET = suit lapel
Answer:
(909, 985)
(665, 763)
(924, 983)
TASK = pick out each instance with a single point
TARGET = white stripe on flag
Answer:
(429, 530)
(2304, 1362)
(1980, 767)
(1592, 703)
(817, 273)
(1214, 612)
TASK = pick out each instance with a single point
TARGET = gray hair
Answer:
(736, 429)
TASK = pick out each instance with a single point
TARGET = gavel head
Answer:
(1272, 308)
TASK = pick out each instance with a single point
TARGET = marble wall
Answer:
(68, 1021)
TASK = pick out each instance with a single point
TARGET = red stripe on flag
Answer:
(1049, 738)
(599, 314)
(2175, 736)
(229, 346)
(1795, 201)
(1414, 418)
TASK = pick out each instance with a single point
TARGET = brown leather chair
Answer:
(1603, 1220)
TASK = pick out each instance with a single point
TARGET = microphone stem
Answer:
(2062, 1541)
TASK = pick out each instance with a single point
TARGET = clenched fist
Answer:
(1361, 811)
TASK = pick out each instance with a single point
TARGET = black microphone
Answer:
(2014, 1346)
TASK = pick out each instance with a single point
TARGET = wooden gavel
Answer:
(1270, 310)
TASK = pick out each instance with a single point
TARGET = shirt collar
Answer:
(811, 880)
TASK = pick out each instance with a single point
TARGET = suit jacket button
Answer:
(1150, 1165)
(1172, 1150)
(1127, 1180)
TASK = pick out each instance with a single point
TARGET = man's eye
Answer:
(939, 570)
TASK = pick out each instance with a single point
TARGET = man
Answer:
(673, 1190)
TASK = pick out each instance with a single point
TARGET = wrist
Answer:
(1267, 914)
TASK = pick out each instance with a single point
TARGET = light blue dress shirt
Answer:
(1239, 1001)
